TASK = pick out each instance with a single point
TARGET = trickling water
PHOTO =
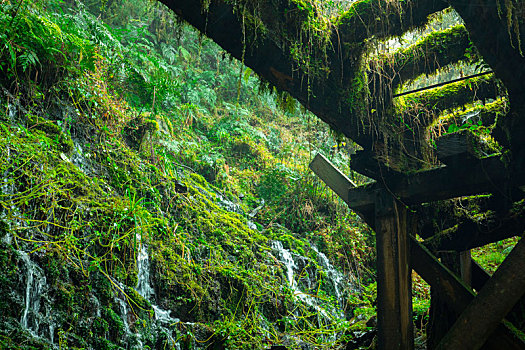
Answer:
(334, 276)
(123, 306)
(35, 281)
(287, 260)
(228, 205)
(51, 324)
(143, 286)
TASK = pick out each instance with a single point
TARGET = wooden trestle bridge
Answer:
(480, 317)
(469, 308)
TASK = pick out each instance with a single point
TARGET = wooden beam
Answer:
(365, 163)
(394, 297)
(458, 294)
(484, 175)
(331, 176)
(394, 301)
(483, 315)
(516, 315)
(470, 234)
(465, 262)
(458, 146)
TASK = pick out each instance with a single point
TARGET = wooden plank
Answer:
(458, 294)
(484, 175)
(366, 164)
(438, 276)
(331, 176)
(516, 315)
(493, 302)
(394, 301)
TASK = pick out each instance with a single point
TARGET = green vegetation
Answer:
(155, 194)
(117, 133)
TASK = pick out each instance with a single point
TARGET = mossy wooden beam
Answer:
(424, 107)
(333, 85)
(471, 234)
(382, 19)
(430, 53)
(497, 29)
(487, 114)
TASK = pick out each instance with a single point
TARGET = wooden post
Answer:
(465, 262)
(491, 305)
(394, 301)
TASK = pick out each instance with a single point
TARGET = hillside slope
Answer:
(153, 196)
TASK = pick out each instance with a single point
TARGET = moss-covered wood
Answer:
(430, 53)
(497, 29)
(420, 109)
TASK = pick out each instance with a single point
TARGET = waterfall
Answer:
(35, 281)
(143, 286)
(335, 278)
(287, 260)
(123, 306)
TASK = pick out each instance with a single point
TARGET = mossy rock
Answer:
(51, 130)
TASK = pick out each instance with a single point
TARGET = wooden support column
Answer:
(491, 305)
(465, 261)
(394, 300)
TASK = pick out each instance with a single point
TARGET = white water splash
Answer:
(286, 258)
(334, 277)
(143, 286)
(35, 281)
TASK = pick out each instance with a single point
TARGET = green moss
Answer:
(433, 51)
(137, 129)
(420, 109)
(53, 131)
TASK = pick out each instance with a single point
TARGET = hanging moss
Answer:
(430, 53)
(384, 19)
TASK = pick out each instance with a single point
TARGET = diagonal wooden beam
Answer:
(332, 176)
(480, 277)
(459, 295)
(493, 302)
